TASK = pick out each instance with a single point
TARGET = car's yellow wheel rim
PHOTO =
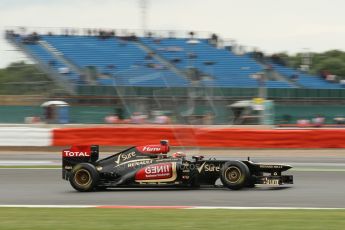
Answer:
(233, 174)
(82, 177)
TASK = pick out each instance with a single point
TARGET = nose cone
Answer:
(275, 167)
(286, 167)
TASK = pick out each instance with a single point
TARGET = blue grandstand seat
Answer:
(226, 68)
(306, 80)
(125, 58)
(51, 62)
(124, 63)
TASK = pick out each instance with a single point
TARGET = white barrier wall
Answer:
(25, 136)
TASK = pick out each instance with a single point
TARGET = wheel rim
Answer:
(82, 177)
(233, 174)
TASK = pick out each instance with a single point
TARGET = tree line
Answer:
(332, 61)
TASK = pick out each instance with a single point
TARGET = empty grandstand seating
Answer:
(224, 68)
(305, 80)
(51, 62)
(123, 62)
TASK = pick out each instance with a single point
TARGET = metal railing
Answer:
(23, 30)
(273, 93)
(24, 88)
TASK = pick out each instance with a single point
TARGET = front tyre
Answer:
(234, 175)
(84, 177)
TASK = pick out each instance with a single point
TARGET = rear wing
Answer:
(78, 154)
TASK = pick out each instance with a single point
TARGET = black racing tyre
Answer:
(251, 180)
(234, 175)
(250, 185)
(84, 177)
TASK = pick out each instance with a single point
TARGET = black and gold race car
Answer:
(149, 165)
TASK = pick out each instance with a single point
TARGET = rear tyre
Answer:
(234, 175)
(84, 177)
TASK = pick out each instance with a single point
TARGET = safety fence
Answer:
(275, 93)
(201, 136)
(212, 136)
(26, 136)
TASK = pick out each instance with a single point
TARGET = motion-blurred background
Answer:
(172, 62)
(264, 79)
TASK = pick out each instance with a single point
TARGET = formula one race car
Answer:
(149, 165)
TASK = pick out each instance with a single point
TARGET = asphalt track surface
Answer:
(319, 182)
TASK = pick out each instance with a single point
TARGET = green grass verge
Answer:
(60, 218)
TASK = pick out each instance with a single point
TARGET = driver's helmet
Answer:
(178, 155)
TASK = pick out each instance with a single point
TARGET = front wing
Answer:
(273, 180)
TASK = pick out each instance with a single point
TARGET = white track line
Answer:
(24, 162)
(20, 168)
(46, 206)
(167, 207)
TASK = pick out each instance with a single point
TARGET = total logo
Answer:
(67, 153)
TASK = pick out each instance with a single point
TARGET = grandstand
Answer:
(191, 77)
(305, 80)
(153, 61)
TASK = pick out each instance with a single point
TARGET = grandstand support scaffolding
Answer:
(59, 56)
(162, 60)
(53, 75)
(280, 77)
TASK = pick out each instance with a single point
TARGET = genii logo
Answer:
(161, 169)
(68, 153)
(157, 172)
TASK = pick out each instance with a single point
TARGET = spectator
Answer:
(324, 74)
(340, 120)
(31, 38)
(149, 56)
(286, 119)
(149, 34)
(331, 77)
(138, 118)
(208, 119)
(157, 40)
(303, 122)
(214, 40)
(120, 113)
(52, 63)
(64, 70)
(342, 83)
(89, 32)
(49, 114)
(171, 34)
(294, 77)
(111, 66)
(191, 34)
(111, 119)
(318, 120)
(161, 119)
